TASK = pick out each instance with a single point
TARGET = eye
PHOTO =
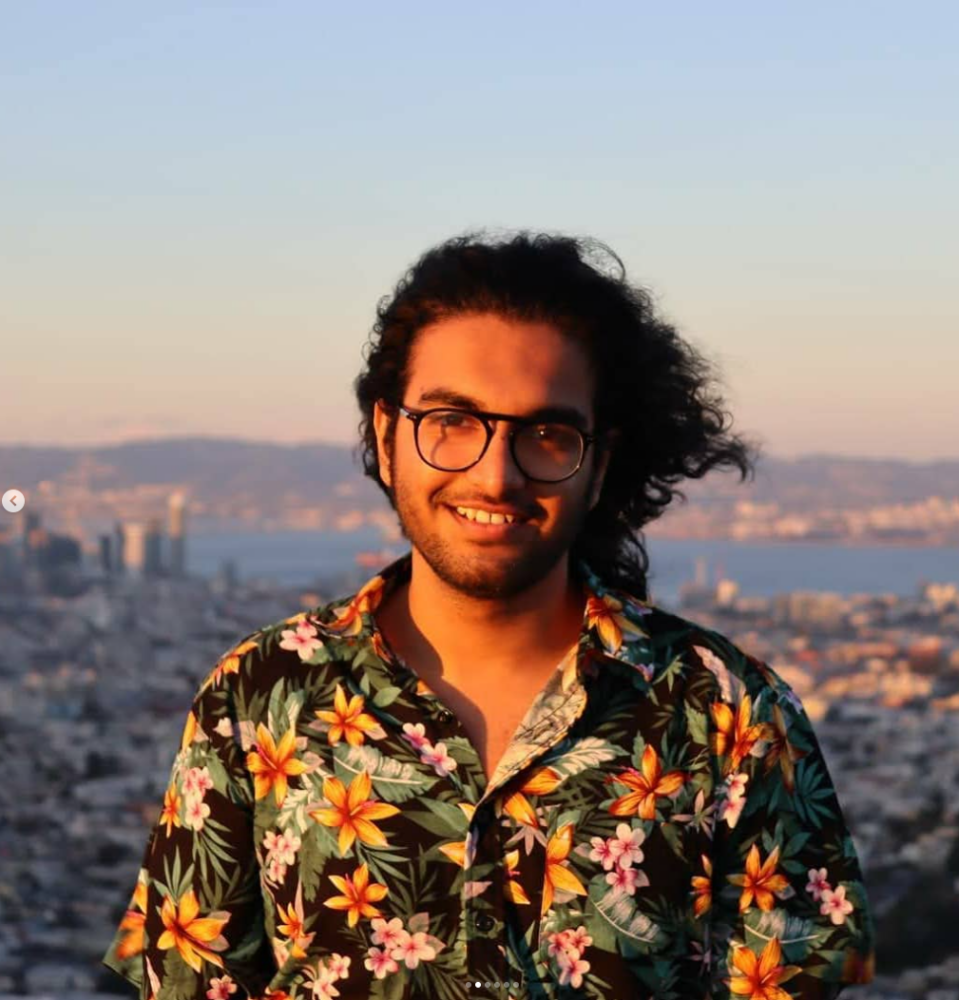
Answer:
(452, 419)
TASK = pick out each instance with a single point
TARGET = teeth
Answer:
(485, 516)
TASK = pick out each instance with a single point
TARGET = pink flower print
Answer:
(196, 813)
(736, 785)
(579, 939)
(571, 968)
(626, 844)
(414, 950)
(731, 810)
(415, 734)
(835, 905)
(733, 798)
(440, 760)
(322, 985)
(818, 883)
(559, 942)
(626, 880)
(380, 963)
(197, 782)
(391, 935)
(221, 988)
(303, 639)
(275, 870)
(339, 965)
(604, 851)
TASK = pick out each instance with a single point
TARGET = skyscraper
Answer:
(177, 528)
(134, 547)
(153, 548)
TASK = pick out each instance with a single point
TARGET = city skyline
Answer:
(209, 203)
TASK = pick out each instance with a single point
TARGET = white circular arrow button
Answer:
(13, 501)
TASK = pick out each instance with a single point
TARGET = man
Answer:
(498, 770)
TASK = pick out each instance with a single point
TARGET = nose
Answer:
(496, 473)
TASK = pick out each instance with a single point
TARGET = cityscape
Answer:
(104, 637)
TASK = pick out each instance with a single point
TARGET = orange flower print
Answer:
(170, 815)
(353, 812)
(196, 938)
(456, 850)
(781, 751)
(513, 890)
(703, 888)
(735, 737)
(358, 895)
(134, 922)
(541, 782)
(229, 664)
(349, 621)
(647, 786)
(759, 978)
(189, 732)
(558, 876)
(613, 627)
(759, 881)
(290, 925)
(271, 765)
(347, 720)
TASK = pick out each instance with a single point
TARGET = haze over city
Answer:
(209, 200)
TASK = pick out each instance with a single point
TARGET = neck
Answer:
(443, 632)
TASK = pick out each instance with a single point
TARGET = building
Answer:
(177, 528)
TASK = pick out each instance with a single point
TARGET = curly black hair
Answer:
(653, 389)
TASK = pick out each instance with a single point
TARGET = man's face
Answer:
(488, 363)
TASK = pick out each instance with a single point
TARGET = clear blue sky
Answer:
(203, 202)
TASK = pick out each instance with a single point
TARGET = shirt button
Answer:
(484, 922)
(445, 716)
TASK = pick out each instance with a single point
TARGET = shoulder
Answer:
(296, 648)
(707, 659)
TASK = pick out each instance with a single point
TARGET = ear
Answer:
(381, 426)
(605, 447)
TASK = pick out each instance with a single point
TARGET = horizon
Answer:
(325, 442)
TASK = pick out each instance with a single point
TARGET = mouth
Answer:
(483, 516)
(490, 522)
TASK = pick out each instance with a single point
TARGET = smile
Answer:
(481, 516)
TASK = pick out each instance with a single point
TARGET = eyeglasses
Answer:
(453, 440)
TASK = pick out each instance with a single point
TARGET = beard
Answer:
(484, 572)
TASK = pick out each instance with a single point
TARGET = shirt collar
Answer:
(612, 629)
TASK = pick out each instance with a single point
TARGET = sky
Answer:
(204, 202)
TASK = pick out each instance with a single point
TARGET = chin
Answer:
(501, 582)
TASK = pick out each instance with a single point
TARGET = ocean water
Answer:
(760, 569)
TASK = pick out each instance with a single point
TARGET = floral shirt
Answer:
(662, 824)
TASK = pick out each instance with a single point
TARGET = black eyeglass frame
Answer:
(486, 419)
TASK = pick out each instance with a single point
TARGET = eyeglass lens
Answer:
(453, 440)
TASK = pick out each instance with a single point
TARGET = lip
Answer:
(492, 532)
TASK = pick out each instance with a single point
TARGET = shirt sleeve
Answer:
(789, 914)
(194, 924)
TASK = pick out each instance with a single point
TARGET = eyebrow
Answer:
(560, 414)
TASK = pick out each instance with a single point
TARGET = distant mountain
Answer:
(207, 463)
(827, 480)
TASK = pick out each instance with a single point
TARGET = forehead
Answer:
(503, 365)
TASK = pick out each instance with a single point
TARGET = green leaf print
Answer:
(394, 781)
(586, 753)
(797, 936)
(619, 918)
(179, 980)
